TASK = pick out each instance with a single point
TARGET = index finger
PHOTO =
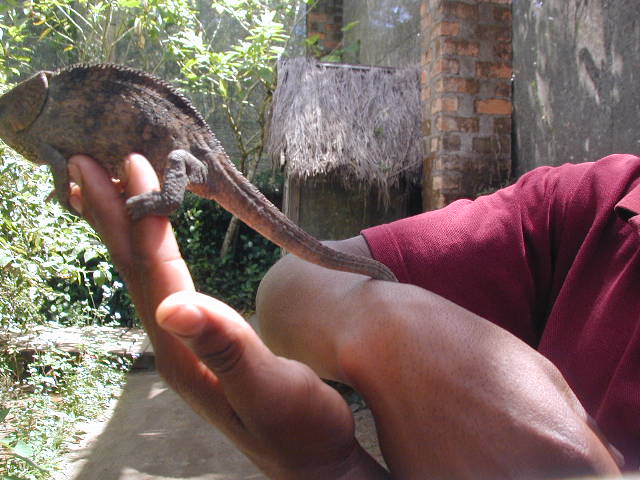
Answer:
(158, 267)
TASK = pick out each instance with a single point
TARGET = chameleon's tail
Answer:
(241, 198)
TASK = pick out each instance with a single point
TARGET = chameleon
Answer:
(107, 111)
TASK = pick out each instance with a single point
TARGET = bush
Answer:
(53, 267)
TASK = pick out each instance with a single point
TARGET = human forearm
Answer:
(453, 395)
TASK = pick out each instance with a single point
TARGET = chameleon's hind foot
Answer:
(150, 203)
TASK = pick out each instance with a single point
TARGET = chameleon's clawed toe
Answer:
(150, 203)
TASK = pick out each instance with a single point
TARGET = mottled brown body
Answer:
(108, 111)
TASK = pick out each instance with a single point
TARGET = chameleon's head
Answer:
(19, 108)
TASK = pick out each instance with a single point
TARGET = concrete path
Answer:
(152, 434)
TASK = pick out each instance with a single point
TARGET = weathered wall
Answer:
(327, 210)
(577, 80)
(387, 32)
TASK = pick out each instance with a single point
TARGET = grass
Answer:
(40, 412)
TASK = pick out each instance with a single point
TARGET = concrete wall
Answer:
(387, 33)
(577, 80)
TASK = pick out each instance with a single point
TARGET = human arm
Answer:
(276, 411)
(453, 395)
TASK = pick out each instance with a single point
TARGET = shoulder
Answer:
(607, 178)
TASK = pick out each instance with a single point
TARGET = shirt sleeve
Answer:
(492, 256)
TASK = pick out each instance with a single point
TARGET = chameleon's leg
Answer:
(182, 169)
(58, 165)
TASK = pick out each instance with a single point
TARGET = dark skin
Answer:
(445, 404)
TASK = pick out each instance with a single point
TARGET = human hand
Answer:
(277, 411)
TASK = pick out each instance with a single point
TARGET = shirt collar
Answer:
(629, 207)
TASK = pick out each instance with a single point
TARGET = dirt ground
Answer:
(151, 434)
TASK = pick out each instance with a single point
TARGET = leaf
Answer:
(3, 413)
(44, 34)
(129, 3)
(22, 449)
(90, 254)
(222, 87)
(350, 26)
(5, 259)
(312, 40)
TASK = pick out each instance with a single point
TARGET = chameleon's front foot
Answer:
(58, 165)
(182, 169)
(151, 203)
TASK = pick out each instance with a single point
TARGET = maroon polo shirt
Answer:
(554, 259)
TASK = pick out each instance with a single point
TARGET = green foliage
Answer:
(52, 265)
(66, 389)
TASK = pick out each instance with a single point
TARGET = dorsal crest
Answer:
(132, 76)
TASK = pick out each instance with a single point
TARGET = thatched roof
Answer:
(361, 123)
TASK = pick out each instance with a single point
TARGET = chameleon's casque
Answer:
(109, 111)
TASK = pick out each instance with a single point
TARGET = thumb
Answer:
(217, 334)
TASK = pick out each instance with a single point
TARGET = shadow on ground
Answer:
(153, 434)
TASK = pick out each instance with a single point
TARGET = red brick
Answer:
(458, 85)
(494, 106)
(447, 143)
(493, 70)
(464, 48)
(429, 54)
(424, 9)
(460, 10)
(444, 104)
(446, 29)
(446, 65)
(502, 14)
(502, 126)
(458, 124)
(503, 89)
(332, 27)
(317, 17)
(503, 51)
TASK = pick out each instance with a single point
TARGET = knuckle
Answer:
(223, 357)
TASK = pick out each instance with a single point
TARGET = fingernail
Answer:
(75, 203)
(125, 174)
(75, 174)
(185, 321)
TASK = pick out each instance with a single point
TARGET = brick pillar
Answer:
(466, 93)
(324, 20)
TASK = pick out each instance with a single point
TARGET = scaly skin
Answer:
(109, 111)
